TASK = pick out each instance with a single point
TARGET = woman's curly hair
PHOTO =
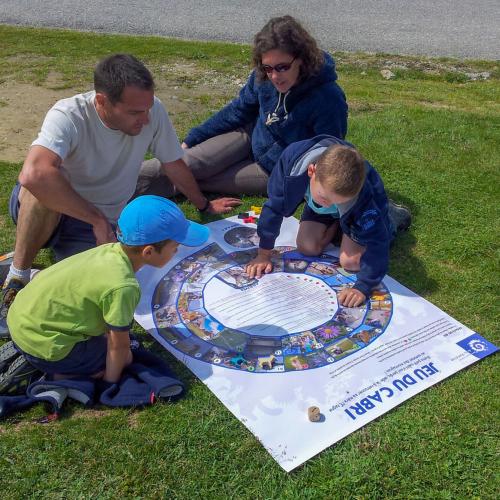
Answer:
(287, 34)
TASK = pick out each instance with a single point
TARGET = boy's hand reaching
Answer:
(351, 297)
(260, 265)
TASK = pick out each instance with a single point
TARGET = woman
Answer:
(291, 95)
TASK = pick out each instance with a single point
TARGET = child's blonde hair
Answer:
(341, 169)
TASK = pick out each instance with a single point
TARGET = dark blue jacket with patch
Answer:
(314, 106)
(366, 222)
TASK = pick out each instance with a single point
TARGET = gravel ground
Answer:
(464, 29)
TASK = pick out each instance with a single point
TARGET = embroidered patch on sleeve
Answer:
(368, 219)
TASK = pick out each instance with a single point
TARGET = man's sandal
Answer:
(18, 376)
(8, 353)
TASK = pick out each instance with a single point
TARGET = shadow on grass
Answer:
(405, 266)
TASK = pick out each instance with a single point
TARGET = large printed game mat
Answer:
(272, 349)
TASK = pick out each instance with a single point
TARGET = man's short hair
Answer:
(341, 169)
(118, 71)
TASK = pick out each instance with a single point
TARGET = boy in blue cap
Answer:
(343, 192)
(75, 317)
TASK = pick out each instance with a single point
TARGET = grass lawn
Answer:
(433, 134)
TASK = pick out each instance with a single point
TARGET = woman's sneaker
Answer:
(9, 292)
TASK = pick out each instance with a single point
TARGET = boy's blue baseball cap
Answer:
(149, 219)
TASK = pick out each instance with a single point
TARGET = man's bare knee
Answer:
(25, 197)
(35, 217)
(35, 225)
(28, 204)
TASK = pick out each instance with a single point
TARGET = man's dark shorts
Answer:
(86, 358)
(71, 236)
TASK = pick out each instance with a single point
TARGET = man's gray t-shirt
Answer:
(102, 164)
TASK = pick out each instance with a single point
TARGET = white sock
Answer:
(20, 274)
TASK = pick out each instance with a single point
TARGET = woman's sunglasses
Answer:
(279, 68)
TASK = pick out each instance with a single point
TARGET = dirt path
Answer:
(23, 106)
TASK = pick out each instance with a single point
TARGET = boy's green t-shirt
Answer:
(79, 297)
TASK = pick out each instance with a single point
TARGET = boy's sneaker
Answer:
(8, 353)
(16, 379)
(399, 216)
(9, 293)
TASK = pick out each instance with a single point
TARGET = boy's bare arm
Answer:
(119, 355)
(260, 265)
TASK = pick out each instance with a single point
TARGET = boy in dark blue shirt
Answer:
(343, 192)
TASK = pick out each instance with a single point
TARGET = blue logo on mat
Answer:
(477, 346)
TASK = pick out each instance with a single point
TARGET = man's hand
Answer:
(182, 178)
(260, 265)
(223, 205)
(184, 146)
(351, 297)
(103, 232)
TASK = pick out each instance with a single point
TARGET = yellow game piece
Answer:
(257, 210)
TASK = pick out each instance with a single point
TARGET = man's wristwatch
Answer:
(205, 207)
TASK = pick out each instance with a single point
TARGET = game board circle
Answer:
(221, 306)
(241, 237)
(183, 320)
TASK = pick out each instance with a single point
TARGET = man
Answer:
(84, 166)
